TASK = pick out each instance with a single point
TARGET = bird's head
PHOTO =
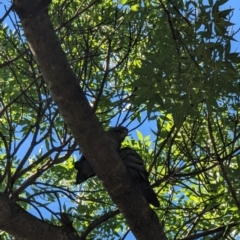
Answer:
(121, 131)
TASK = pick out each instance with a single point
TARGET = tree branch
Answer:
(23, 225)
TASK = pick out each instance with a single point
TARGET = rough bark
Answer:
(25, 226)
(82, 121)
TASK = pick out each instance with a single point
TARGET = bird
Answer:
(84, 170)
(135, 166)
(116, 136)
(137, 170)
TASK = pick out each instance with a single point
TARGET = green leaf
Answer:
(135, 7)
(123, 2)
(139, 135)
(225, 13)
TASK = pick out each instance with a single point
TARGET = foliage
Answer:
(166, 67)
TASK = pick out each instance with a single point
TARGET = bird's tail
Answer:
(149, 194)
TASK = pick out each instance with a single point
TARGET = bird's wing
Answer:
(84, 169)
(138, 172)
(134, 161)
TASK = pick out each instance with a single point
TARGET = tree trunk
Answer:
(83, 123)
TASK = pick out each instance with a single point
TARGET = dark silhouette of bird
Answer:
(135, 166)
(139, 174)
(116, 135)
(84, 170)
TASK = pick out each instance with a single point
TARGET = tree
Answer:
(70, 69)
